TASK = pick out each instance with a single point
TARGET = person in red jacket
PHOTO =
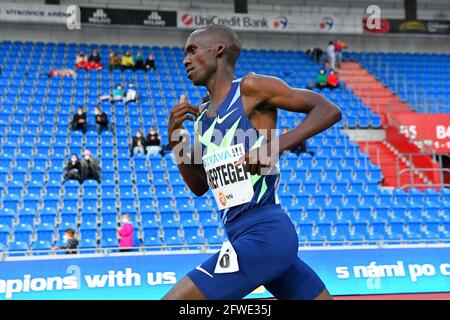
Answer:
(332, 80)
(126, 234)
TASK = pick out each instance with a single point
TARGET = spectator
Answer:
(131, 95)
(79, 121)
(331, 55)
(117, 94)
(139, 61)
(70, 242)
(125, 234)
(127, 61)
(150, 62)
(90, 168)
(80, 62)
(321, 81)
(153, 142)
(332, 80)
(73, 169)
(60, 73)
(94, 61)
(315, 54)
(138, 144)
(339, 45)
(114, 61)
(101, 119)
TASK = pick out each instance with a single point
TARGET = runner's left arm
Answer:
(321, 112)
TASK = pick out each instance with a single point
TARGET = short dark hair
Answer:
(70, 231)
(228, 36)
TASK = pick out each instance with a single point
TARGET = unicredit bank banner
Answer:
(432, 130)
(344, 271)
(273, 22)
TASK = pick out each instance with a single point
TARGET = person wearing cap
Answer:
(90, 169)
(70, 242)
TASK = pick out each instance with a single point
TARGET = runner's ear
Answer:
(220, 49)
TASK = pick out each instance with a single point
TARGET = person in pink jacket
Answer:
(126, 234)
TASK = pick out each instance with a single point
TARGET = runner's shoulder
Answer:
(254, 83)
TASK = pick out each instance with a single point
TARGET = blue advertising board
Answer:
(344, 271)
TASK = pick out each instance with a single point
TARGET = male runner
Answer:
(263, 244)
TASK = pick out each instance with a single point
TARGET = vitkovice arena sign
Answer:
(33, 13)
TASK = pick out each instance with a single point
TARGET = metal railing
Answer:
(414, 184)
(211, 249)
(413, 170)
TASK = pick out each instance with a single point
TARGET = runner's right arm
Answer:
(193, 173)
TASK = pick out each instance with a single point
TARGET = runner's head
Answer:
(208, 50)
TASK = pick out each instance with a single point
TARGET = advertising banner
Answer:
(149, 18)
(149, 277)
(34, 13)
(312, 23)
(403, 26)
(432, 130)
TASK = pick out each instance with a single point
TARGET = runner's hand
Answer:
(181, 112)
(258, 160)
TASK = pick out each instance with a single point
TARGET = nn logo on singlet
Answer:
(224, 198)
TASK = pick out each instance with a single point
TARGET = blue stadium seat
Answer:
(87, 243)
(153, 242)
(41, 245)
(18, 248)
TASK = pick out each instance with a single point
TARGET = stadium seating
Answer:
(332, 193)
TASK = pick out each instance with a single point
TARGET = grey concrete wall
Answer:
(174, 37)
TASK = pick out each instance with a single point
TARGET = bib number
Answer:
(227, 261)
(230, 185)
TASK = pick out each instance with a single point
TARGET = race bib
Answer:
(227, 261)
(231, 186)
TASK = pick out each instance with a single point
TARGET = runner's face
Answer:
(200, 61)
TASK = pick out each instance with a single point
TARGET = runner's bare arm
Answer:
(321, 113)
(193, 173)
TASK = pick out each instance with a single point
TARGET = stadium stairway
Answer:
(372, 92)
(387, 156)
